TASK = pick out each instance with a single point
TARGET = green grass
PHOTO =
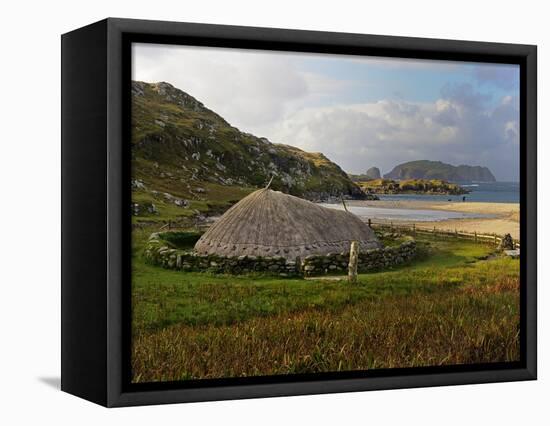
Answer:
(451, 306)
(181, 239)
(164, 297)
(220, 198)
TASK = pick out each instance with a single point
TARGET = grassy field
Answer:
(455, 304)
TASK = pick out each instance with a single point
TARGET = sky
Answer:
(359, 111)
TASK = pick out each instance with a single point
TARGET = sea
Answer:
(494, 192)
(497, 192)
(407, 215)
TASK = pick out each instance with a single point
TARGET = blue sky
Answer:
(419, 81)
(358, 111)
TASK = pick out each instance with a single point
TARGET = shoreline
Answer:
(504, 216)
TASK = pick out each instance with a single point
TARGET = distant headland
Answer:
(426, 169)
(422, 177)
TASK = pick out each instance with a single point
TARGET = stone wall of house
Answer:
(370, 260)
(158, 252)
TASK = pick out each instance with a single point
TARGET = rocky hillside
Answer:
(425, 169)
(183, 151)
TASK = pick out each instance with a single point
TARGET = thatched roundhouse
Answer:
(270, 224)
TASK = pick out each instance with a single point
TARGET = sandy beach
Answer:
(504, 216)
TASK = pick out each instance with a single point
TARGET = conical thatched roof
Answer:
(269, 223)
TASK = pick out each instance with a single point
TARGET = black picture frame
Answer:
(95, 286)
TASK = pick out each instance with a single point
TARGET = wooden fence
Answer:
(412, 229)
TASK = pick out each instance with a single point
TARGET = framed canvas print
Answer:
(252, 212)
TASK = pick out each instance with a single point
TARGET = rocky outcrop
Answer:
(507, 243)
(373, 173)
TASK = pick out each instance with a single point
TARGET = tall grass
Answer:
(402, 331)
(447, 308)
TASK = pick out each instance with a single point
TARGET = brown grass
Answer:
(462, 326)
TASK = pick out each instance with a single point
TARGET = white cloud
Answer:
(384, 133)
(406, 63)
(248, 88)
(273, 95)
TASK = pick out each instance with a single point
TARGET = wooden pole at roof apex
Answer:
(269, 183)
(344, 203)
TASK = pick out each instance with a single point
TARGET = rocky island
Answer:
(426, 169)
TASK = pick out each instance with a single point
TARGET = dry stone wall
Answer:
(158, 252)
(369, 260)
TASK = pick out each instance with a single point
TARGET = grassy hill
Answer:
(425, 169)
(187, 160)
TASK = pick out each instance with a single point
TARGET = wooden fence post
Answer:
(370, 223)
(495, 235)
(456, 234)
(414, 229)
(353, 257)
(475, 237)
